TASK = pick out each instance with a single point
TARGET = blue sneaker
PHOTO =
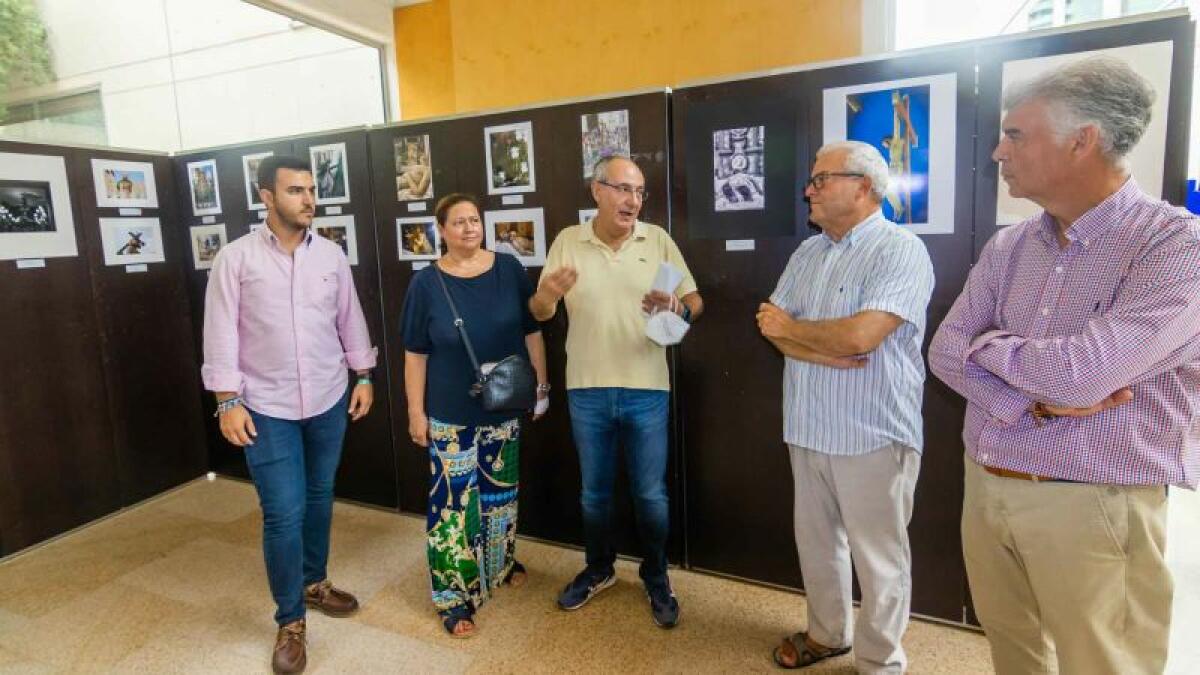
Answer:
(587, 585)
(663, 605)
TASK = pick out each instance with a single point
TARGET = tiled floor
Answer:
(177, 585)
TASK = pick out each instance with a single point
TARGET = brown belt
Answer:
(1021, 475)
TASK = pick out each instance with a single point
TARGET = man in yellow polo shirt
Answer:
(617, 383)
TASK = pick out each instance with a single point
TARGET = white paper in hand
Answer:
(667, 278)
(666, 328)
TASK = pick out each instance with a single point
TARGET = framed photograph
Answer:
(418, 238)
(130, 241)
(509, 151)
(339, 230)
(124, 184)
(1152, 61)
(586, 215)
(330, 173)
(202, 179)
(739, 169)
(250, 175)
(604, 134)
(414, 168)
(912, 123)
(518, 232)
(35, 208)
(207, 241)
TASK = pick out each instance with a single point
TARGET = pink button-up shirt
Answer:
(282, 329)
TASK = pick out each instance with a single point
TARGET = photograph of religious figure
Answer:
(207, 241)
(26, 206)
(739, 168)
(912, 123)
(131, 241)
(604, 135)
(339, 230)
(417, 238)
(895, 121)
(124, 184)
(517, 232)
(414, 168)
(330, 173)
(250, 174)
(202, 178)
(509, 151)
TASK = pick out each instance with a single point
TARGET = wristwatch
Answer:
(1040, 414)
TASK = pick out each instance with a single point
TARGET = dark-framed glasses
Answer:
(628, 190)
(818, 181)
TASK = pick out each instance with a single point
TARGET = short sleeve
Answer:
(688, 284)
(787, 283)
(414, 320)
(902, 282)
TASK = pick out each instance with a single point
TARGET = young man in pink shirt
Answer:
(282, 326)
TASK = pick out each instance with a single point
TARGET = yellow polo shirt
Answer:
(606, 335)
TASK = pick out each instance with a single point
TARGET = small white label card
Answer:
(420, 265)
(132, 269)
(416, 207)
(739, 244)
(333, 210)
(31, 263)
(208, 220)
(512, 200)
(130, 212)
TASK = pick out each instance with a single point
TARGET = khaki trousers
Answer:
(1071, 575)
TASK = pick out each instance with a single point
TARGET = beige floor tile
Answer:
(218, 501)
(12, 663)
(206, 573)
(347, 646)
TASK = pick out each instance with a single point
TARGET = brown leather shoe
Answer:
(290, 653)
(331, 601)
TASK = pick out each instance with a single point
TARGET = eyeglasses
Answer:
(463, 222)
(818, 181)
(626, 189)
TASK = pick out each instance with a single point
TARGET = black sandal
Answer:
(517, 568)
(805, 656)
(456, 615)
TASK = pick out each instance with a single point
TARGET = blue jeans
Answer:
(293, 463)
(638, 418)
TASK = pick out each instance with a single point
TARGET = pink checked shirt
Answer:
(1119, 306)
(281, 330)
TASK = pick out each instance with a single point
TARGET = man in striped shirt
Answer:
(849, 315)
(1075, 345)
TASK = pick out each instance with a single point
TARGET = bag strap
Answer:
(458, 323)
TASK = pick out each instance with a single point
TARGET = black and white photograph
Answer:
(604, 135)
(207, 241)
(202, 181)
(739, 168)
(35, 207)
(131, 241)
(330, 173)
(414, 168)
(509, 150)
(26, 206)
(250, 177)
(586, 215)
(121, 184)
(339, 230)
(517, 232)
(417, 238)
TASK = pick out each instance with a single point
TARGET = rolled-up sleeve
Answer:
(220, 371)
(352, 325)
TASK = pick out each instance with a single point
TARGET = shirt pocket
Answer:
(844, 300)
(321, 290)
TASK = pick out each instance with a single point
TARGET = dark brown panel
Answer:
(58, 468)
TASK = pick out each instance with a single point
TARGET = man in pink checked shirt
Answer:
(282, 325)
(1075, 345)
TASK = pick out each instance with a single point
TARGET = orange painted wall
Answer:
(463, 55)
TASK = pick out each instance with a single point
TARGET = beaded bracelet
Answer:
(227, 405)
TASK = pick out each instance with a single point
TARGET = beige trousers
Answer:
(1071, 575)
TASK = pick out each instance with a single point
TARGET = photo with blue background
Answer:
(870, 118)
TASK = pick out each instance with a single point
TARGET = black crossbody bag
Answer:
(511, 384)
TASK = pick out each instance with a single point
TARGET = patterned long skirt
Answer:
(472, 520)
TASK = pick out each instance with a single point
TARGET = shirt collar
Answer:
(859, 231)
(269, 237)
(1097, 220)
(589, 233)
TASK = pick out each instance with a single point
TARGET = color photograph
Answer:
(340, 230)
(131, 241)
(509, 154)
(26, 206)
(124, 184)
(417, 238)
(604, 134)
(912, 123)
(250, 177)
(739, 169)
(517, 232)
(207, 241)
(414, 168)
(586, 215)
(330, 173)
(202, 179)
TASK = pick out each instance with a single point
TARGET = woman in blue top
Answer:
(472, 517)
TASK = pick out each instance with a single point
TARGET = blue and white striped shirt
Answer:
(881, 266)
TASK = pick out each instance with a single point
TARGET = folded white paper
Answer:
(666, 328)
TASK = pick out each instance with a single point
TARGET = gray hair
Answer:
(600, 168)
(865, 159)
(1100, 91)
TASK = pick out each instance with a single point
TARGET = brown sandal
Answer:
(805, 655)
